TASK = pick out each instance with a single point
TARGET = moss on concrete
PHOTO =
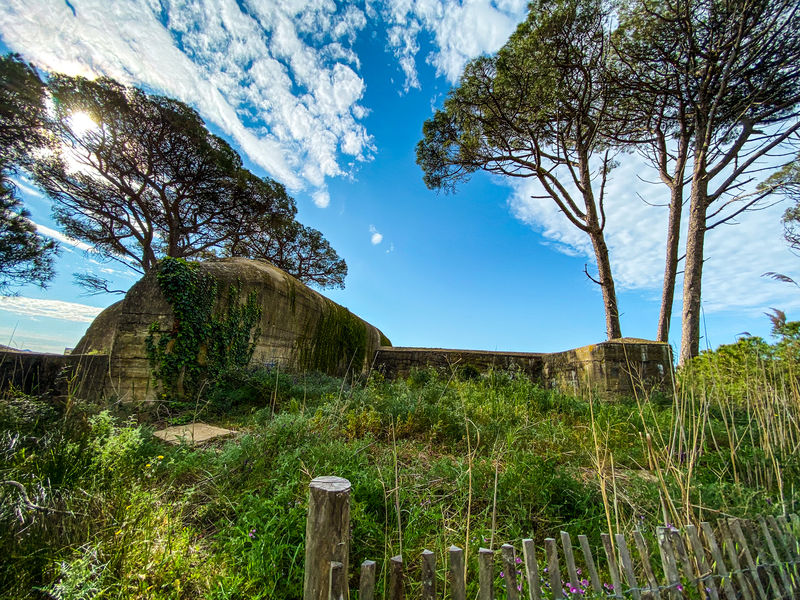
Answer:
(338, 343)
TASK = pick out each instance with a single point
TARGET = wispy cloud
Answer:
(58, 236)
(376, 237)
(736, 255)
(54, 309)
(279, 78)
(460, 31)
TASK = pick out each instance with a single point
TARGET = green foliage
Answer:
(150, 159)
(24, 256)
(203, 341)
(126, 518)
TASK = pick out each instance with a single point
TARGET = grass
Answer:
(92, 505)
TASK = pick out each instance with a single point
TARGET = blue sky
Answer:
(329, 98)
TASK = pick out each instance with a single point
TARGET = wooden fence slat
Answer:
(611, 559)
(396, 578)
(784, 547)
(791, 539)
(485, 574)
(428, 575)
(738, 535)
(569, 558)
(457, 573)
(794, 534)
(733, 556)
(366, 584)
(719, 563)
(679, 547)
(532, 570)
(337, 584)
(553, 570)
(699, 552)
(782, 571)
(668, 562)
(587, 556)
(644, 555)
(510, 571)
(627, 566)
(771, 569)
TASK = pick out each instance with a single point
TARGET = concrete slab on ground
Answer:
(192, 433)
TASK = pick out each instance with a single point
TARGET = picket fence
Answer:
(763, 562)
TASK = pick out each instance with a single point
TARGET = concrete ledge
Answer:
(614, 368)
(56, 375)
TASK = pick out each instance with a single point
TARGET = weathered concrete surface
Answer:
(54, 375)
(613, 368)
(99, 337)
(192, 433)
(291, 314)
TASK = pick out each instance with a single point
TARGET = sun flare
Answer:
(82, 123)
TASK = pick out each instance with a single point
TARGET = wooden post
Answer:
(587, 555)
(397, 586)
(611, 559)
(510, 571)
(719, 562)
(532, 570)
(779, 567)
(706, 575)
(428, 575)
(627, 566)
(733, 557)
(485, 574)
(668, 563)
(337, 582)
(738, 535)
(366, 587)
(682, 554)
(327, 536)
(553, 570)
(644, 555)
(569, 558)
(457, 573)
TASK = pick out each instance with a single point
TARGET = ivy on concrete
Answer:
(212, 331)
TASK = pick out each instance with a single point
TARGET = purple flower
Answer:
(584, 582)
(518, 560)
(252, 533)
(502, 574)
(679, 587)
(578, 571)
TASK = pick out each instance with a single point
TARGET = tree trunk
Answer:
(606, 281)
(693, 270)
(671, 266)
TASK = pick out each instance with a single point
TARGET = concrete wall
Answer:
(611, 369)
(55, 375)
(291, 313)
(615, 368)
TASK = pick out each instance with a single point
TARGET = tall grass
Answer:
(91, 504)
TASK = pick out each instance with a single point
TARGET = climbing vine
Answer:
(202, 343)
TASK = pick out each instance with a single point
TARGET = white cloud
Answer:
(376, 237)
(54, 309)
(60, 237)
(461, 30)
(50, 342)
(321, 198)
(277, 77)
(736, 255)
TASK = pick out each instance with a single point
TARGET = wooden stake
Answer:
(327, 535)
